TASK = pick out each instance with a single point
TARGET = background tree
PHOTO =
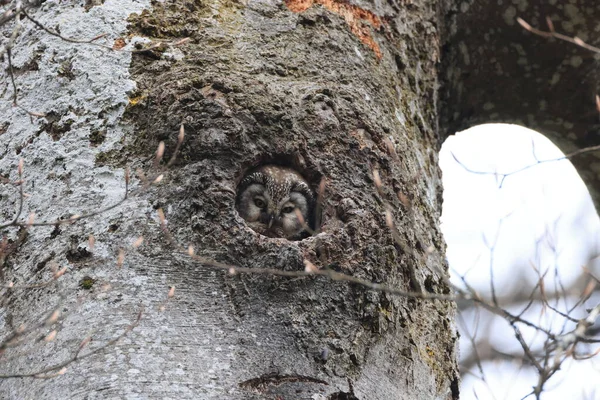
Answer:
(529, 242)
(495, 70)
(534, 65)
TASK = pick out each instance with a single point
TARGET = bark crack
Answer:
(262, 382)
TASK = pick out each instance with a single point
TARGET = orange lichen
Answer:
(298, 6)
(119, 44)
(356, 18)
(135, 100)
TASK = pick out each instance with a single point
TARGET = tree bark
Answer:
(335, 90)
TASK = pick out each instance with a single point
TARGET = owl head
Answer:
(275, 201)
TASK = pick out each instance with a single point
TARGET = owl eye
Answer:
(260, 203)
(287, 209)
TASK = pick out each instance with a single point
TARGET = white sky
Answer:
(540, 219)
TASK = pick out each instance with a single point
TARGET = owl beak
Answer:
(271, 219)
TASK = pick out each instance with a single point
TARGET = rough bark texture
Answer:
(331, 89)
(496, 71)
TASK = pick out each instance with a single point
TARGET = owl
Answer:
(275, 201)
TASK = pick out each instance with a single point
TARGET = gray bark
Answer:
(325, 90)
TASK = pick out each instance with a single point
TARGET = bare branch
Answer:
(552, 33)
(50, 372)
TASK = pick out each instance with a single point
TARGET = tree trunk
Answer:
(331, 89)
(495, 70)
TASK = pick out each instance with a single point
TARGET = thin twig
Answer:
(77, 356)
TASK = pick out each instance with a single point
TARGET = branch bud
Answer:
(53, 318)
(310, 268)
(158, 179)
(377, 179)
(120, 258)
(160, 151)
(51, 336)
(138, 242)
(181, 134)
